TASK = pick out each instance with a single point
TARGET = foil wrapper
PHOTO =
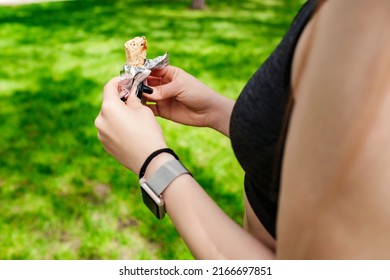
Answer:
(130, 77)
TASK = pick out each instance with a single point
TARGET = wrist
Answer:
(153, 187)
(156, 163)
(220, 116)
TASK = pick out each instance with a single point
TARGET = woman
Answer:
(315, 115)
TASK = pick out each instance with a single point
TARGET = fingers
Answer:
(163, 92)
(133, 101)
(159, 79)
(110, 90)
(99, 124)
(159, 87)
(161, 72)
(162, 76)
(146, 89)
(154, 109)
(167, 83)
(111, 95)
(142, 88)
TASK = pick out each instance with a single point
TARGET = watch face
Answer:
(152, 201)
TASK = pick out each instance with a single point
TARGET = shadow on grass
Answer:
(55, 119)
(49, 149)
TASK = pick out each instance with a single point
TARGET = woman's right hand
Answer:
(180, 97)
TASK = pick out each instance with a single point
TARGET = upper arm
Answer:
(335, 184)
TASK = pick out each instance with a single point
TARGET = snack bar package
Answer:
(137, 67)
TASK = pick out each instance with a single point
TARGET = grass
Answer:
(61, 195)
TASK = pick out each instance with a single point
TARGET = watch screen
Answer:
(151, 204)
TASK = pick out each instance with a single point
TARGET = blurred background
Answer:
(61, 195)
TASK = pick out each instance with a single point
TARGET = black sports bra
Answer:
(257, 123)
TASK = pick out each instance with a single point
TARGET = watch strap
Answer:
(152, 156)
(162, 178)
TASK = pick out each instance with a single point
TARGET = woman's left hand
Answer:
(128, 131)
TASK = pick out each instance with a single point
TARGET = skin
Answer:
(334, 198)
(334, 190)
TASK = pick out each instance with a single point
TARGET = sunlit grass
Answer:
(61, 195)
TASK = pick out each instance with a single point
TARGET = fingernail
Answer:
(139, 90)
(147, 89)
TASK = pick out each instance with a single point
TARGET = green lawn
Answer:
(61, 195)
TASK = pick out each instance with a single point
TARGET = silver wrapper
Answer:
(130, 77)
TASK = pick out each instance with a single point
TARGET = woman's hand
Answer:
(180, 97)
(128, 131)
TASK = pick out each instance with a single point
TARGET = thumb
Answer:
(110, 90)
(133, 101)
(162, 92)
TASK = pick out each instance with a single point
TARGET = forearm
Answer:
(219, 117)
(207, 230)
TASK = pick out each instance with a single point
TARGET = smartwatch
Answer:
(152, 188)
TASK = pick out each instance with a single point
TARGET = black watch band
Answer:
(152, 156)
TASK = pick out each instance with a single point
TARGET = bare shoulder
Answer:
(335, 172)
(344, 30)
